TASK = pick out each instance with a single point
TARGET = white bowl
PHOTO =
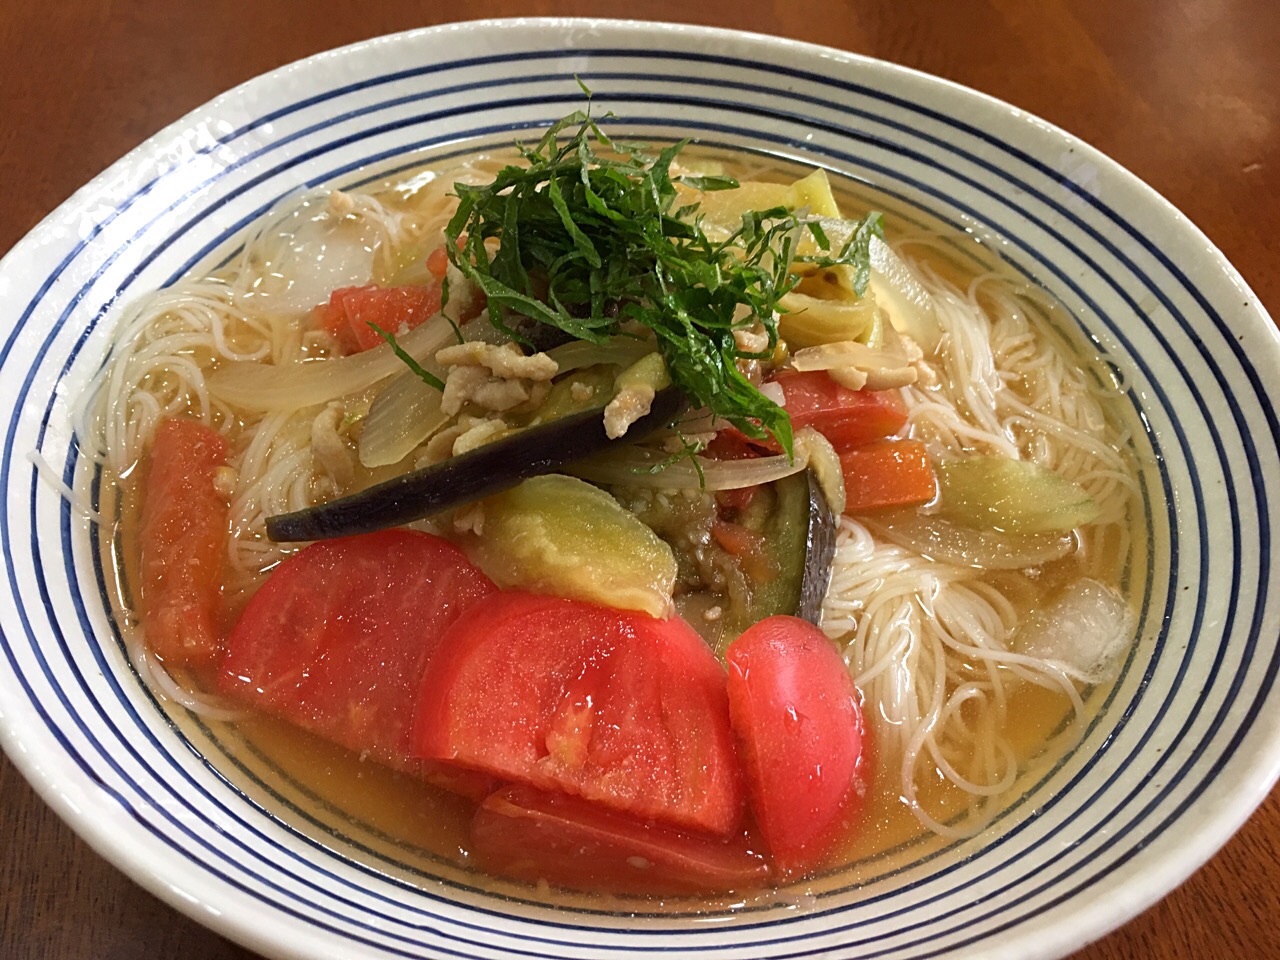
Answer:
(1187, 744)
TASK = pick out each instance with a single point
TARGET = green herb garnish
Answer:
(426, 376)
(591, 244)
(856, 251)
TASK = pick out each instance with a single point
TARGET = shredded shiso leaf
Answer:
(593, 244)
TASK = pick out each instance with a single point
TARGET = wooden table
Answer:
(1186, 93)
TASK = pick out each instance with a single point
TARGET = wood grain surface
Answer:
(1186, 93)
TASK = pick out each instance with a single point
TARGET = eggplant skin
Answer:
(470, 476)
(820, 554)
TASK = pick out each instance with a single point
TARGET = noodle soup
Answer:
(961, 633)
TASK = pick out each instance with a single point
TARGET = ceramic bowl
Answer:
(1181, 749)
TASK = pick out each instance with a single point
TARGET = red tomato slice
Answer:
(350, 310)
(732, 502)
(529, 835)
(610, 705)
(331, 318)
(730, 443)
(338, 638)
(887, 473)
(796, 711)
(845, 417)
(183, 537)
(438, 262)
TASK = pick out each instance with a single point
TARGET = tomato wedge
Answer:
(438, 262)
(183, 537)
(338, 638)
(845, 417)
(350, 310)
(610, 705)
(887, 473)
(796, 711)
(531, 835)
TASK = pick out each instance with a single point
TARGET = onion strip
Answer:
(403, 414)
(255, 386)
(949, 542)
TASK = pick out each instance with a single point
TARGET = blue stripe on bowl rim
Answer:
(630, 54)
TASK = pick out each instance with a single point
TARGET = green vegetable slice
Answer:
(560, 535)
(799, 536)
(1017, 496)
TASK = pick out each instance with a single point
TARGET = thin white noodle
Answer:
(79, 501)
(927, 642)
(161, 681)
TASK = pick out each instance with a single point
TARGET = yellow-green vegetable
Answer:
(811, 322)
(1018, 496)
(649, 371)
(722, 210)
(560, 535)
(814, 194)
(580, 390)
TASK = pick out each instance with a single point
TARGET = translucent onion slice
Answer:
(258, 386)
(955, 543)
(910, 308)
(639, 467)
(406, 411)
(404, 414)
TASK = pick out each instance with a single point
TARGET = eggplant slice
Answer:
(789, 573)
(819, 554)
(800, 537)
(470, 476)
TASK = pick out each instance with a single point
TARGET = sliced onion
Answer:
(406, 411)
(403, 414)
(1084, 631)
(258, 386)
(635, 466)
(910, 308)
(940, 539)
